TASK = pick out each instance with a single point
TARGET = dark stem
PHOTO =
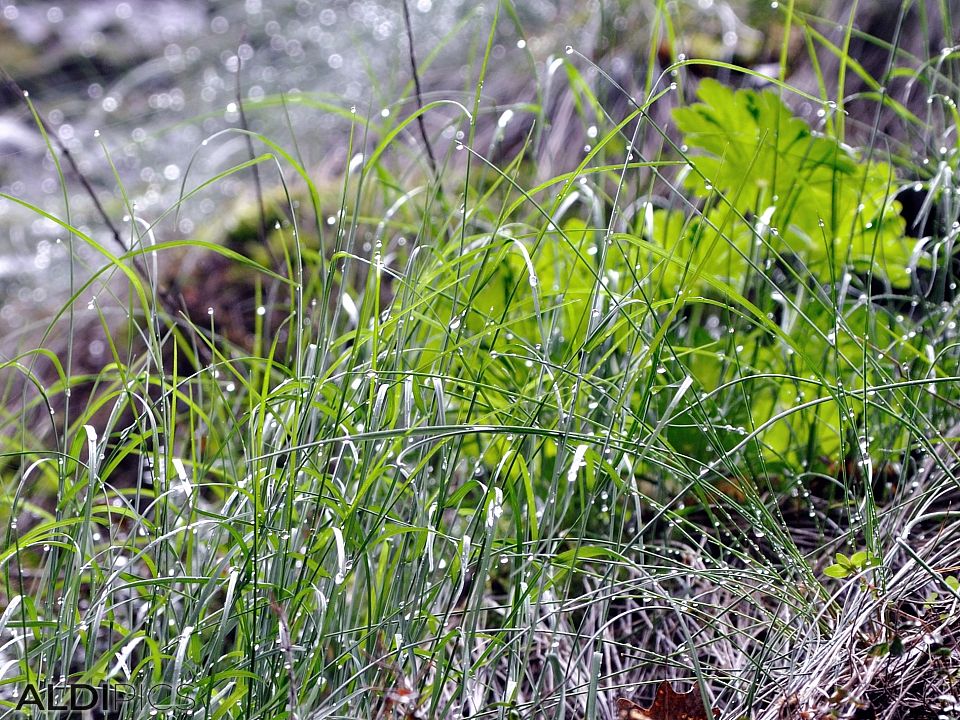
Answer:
(88, 188)
(166, 299)
(257, 185)
(416, 85)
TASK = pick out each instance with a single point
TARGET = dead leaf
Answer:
(667, 705)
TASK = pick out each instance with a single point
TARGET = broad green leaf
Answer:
(822, 202)
(836, 571)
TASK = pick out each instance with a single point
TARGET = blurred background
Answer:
(133, 88)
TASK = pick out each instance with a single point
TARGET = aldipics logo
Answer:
(68, 696)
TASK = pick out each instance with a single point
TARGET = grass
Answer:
(482, 443)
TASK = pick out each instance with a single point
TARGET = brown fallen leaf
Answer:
(667, 705)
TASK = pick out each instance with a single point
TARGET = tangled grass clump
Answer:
(474, 443)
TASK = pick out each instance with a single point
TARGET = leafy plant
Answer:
(845, 567)
(765, 177)
(785, 214)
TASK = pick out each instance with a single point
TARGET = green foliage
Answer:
(466, 435)
(764, 177)
(845, 567)
(785, 215)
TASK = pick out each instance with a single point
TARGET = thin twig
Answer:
(169, 302)
(88, 188)
(416, 85)
(257, 185)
